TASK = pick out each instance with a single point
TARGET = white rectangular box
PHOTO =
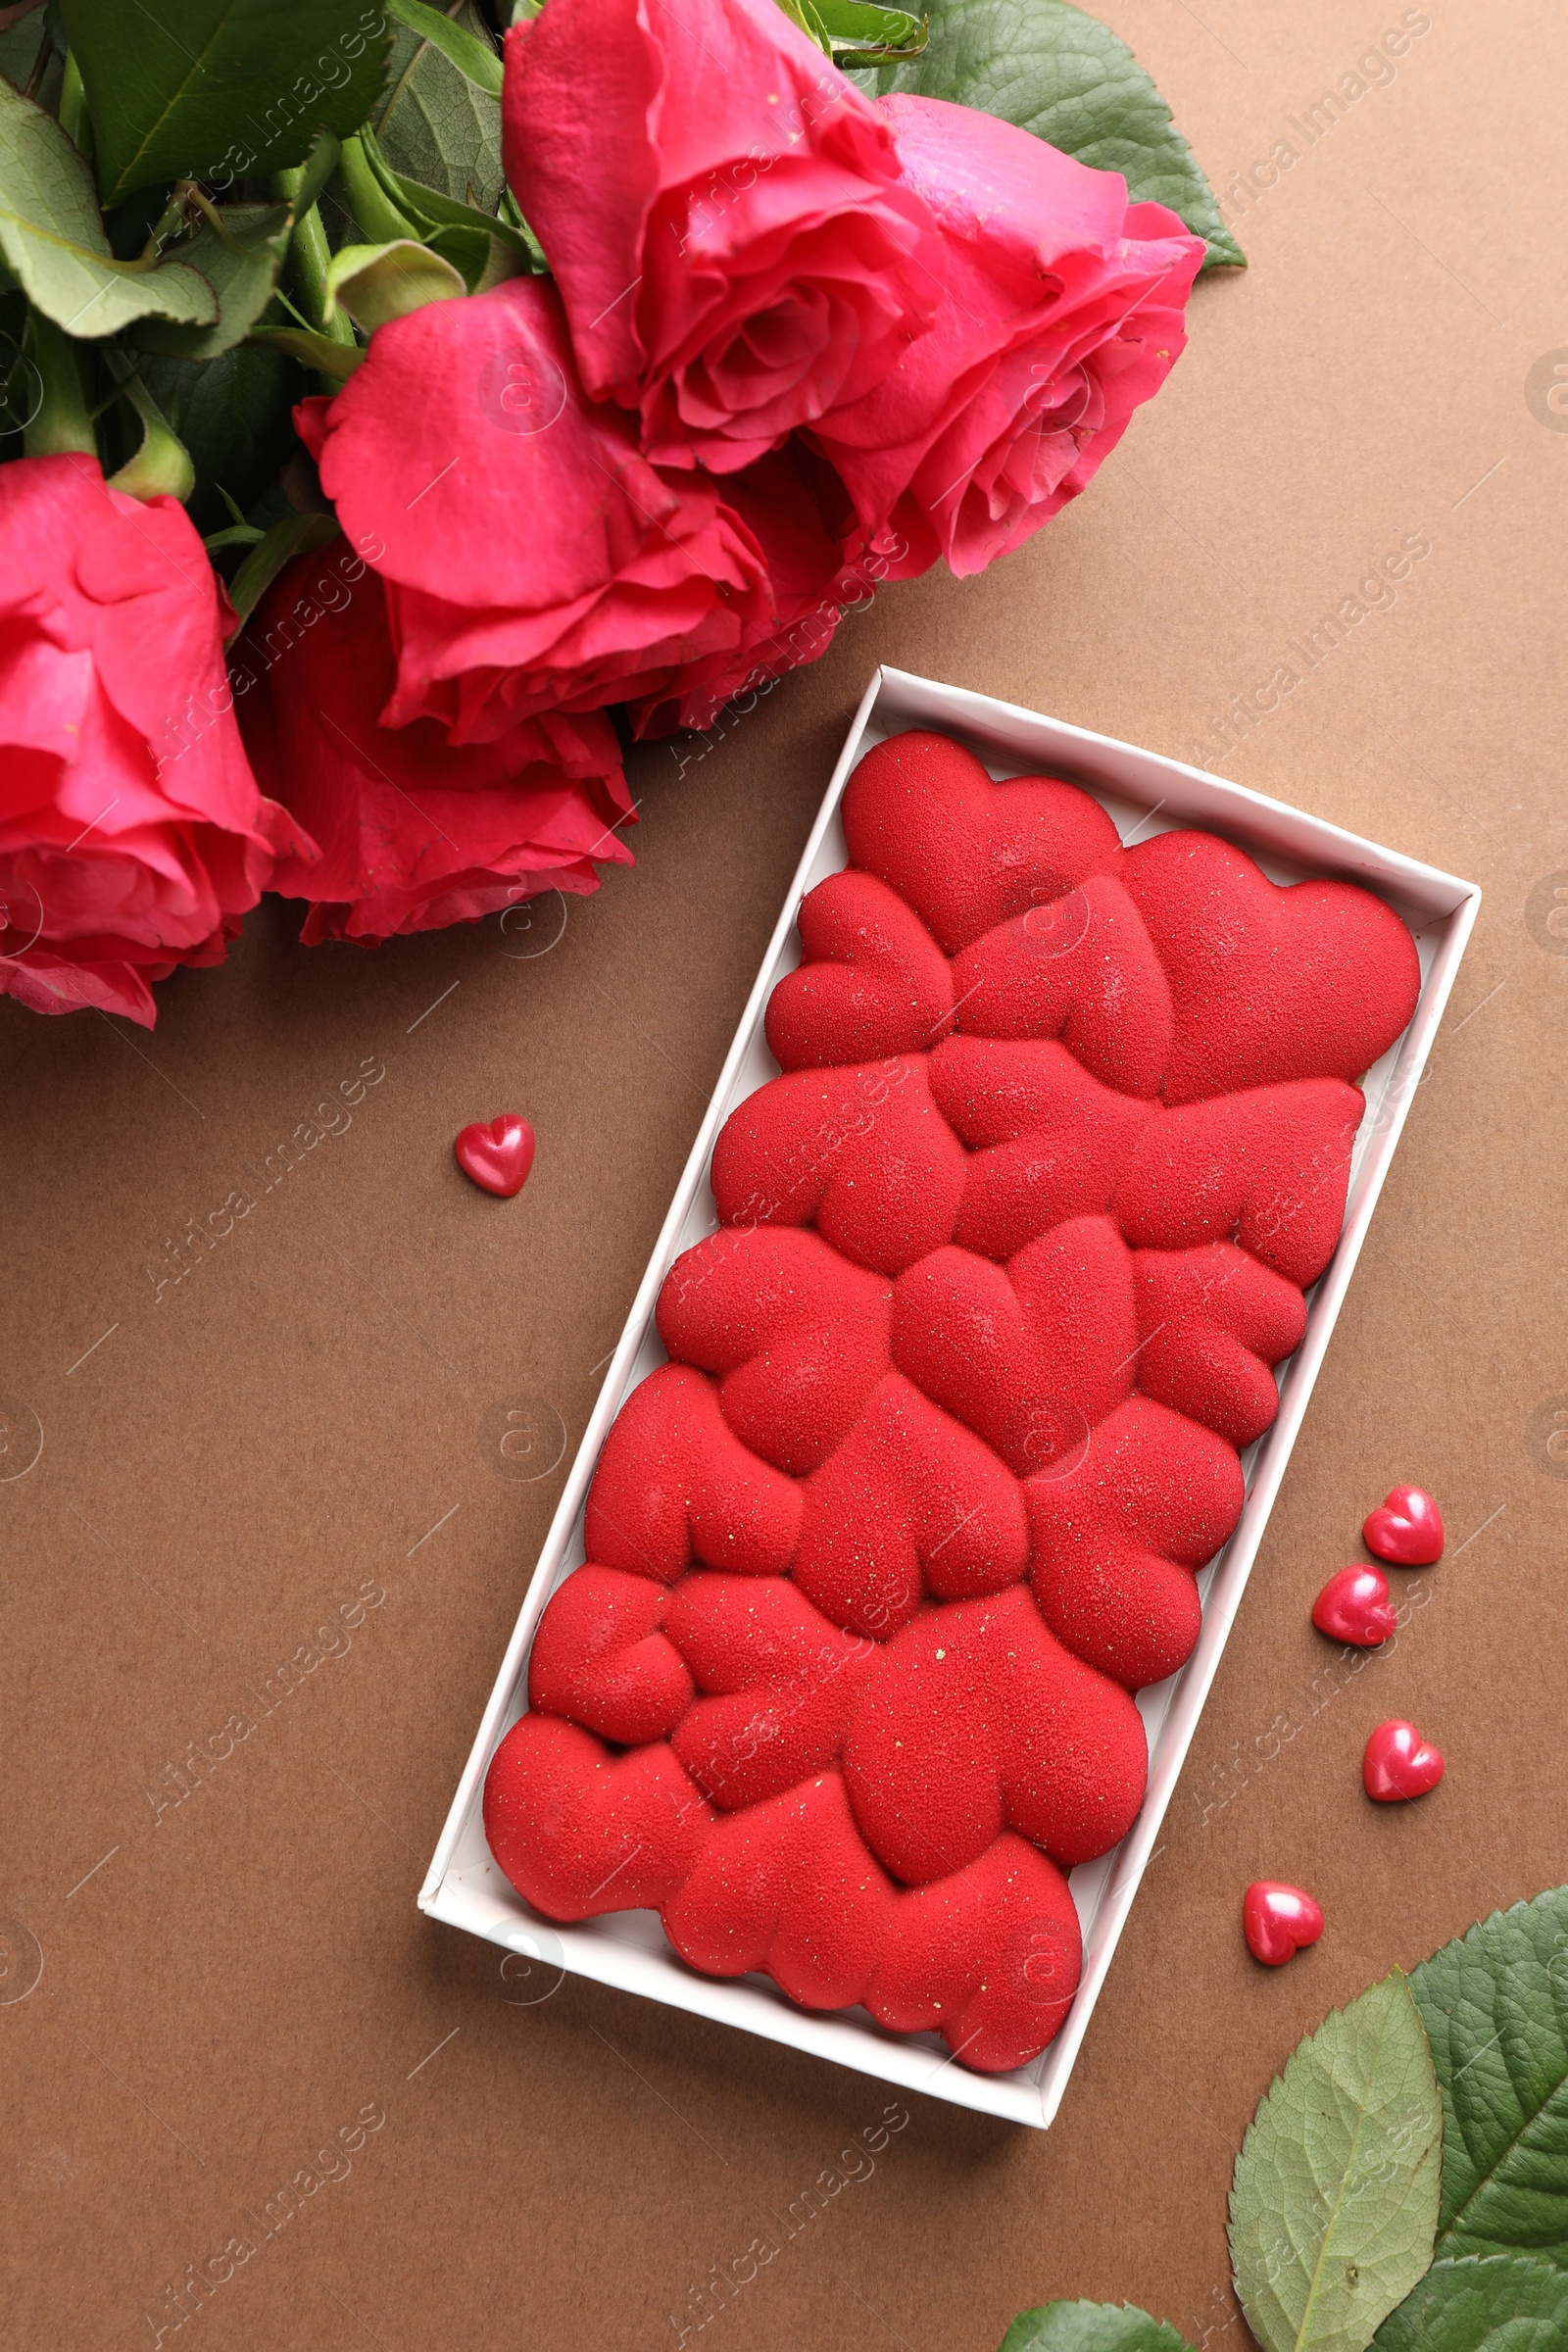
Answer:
(1142, 793)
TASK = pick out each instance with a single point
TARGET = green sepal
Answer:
(431, 213)
(337, 361)
(378, 282)
(804, 15)
(280, 544)
(377, 214)
(161, 466)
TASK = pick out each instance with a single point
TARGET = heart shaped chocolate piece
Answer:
(1406, 1528)
(499, 1156)
(1399, 1763)
(1353, 1606)
(1278, 1920)
(1304, 979)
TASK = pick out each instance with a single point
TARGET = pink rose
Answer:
(414, 831)
(534, 561)
(132, 836)
(1061, 310)
(724, 214)
(794, 509)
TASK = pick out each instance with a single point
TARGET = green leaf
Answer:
(239, 253)
(475, 58)
(52, 237)
(1052, 70)
(235, 415)
(378, 282)
(1091, 2327)
(858, 34)
(23, 46)
(220, 89)
(1495, 2004)
(282, 543)
(1335, 2200)
(20, 384)
(1496, 2305)
(436, 128)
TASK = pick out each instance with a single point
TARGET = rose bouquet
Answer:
(404, 409)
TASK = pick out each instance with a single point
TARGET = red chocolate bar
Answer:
(1007, 1259)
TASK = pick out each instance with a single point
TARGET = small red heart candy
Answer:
(1278, 1920)
(498, 1156)
(1399, 1763)
(1353, 1606)
(1405, 1527)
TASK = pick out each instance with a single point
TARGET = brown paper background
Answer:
(246, 1972)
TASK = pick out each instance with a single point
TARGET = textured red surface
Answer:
(1006, 1257)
